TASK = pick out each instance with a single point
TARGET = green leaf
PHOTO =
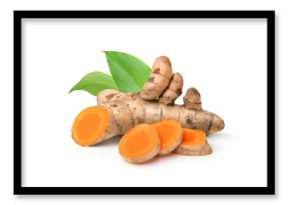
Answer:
(95, 82)
(128, 72)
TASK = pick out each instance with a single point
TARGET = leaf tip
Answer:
(70, 91)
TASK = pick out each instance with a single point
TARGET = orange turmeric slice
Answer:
(89, 125)
(170, 134)
(139, 144)
(194, 143)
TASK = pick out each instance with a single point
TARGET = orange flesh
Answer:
(193, 137)
(89, 125)
(168, 131)
(138, 141)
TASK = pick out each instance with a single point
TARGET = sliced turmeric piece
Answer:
(170, 134)
(89, 125)
(139, 144)
(194, 143)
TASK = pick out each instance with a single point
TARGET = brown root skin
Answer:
(106, 95)
(162, 84)
(197, 150)
(128, 110)
(158, 80)
(173, 91)
(143, 159)
(162, 66)
(194, 143)
(192, 99)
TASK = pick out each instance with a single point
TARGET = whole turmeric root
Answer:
(122, 111)
(117, 112)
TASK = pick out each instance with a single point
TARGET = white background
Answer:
(224, 59)
(282, 109)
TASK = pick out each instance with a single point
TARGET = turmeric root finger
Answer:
(158, 80)
(173, 91)
(170, 134)
(192, 99)
(194, 143)
(139, 144)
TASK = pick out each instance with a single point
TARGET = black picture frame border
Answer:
(269, 15)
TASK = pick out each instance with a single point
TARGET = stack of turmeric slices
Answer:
(144, 141)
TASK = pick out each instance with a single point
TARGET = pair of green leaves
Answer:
(128, 75)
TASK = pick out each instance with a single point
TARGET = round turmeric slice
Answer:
(194, 143)
(89, 125)
(170, 134)
(139, 144)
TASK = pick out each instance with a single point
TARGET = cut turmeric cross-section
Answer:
(170, 134)
(139, 144)
(194, 143)
(89, 125)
